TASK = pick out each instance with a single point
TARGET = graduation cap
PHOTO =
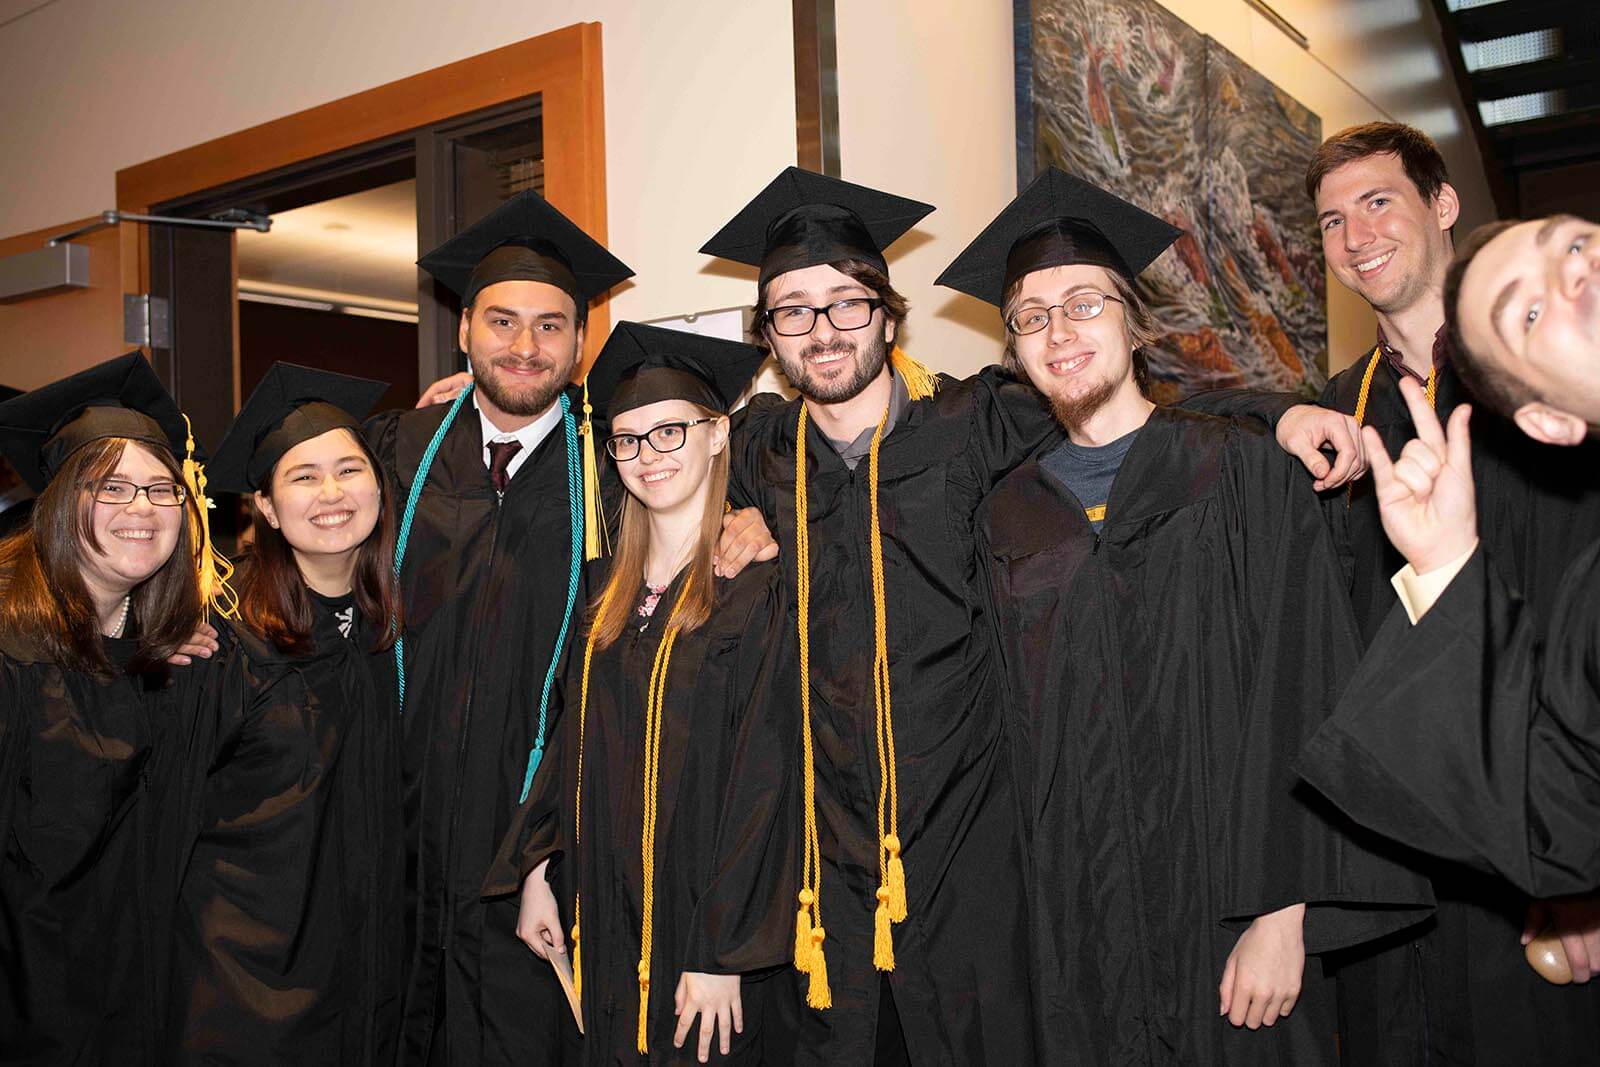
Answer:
(8, 393)
(121, 397)
(525, 239)
(802, 218)
(292, 404)
(642, 364)
(1056, 221)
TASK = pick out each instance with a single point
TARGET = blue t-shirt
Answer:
(1089, 471)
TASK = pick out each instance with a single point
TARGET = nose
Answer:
(822, 331)
(1574, 273)
(1061, 328)
(331, 489)
(1357, 233)
(523, 343)
(140, 504)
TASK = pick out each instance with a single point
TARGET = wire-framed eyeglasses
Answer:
(1079, 307)
(796, 320)
(667, 437)
(118, 491)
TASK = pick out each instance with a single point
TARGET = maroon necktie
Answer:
(500, 453)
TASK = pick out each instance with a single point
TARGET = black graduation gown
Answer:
(86, 872)
(288, 927)
(728, 830)
(484, 589)
(1160, 678)
(960, 980)
(1457, 989)
(1462, 737)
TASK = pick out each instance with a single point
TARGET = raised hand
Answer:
(1426, 497)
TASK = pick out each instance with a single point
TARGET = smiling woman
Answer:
(299, 811)
(94, 594)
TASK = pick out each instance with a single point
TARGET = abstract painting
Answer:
(1125, 94)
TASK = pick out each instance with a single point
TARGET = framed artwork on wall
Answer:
(1126, 95)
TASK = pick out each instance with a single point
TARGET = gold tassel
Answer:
(897, 879)
(802, 933)
(644, 1007)
(818, 995)
(882, 940)
(212, 570)
(921, 382)
(577, 955)
(595, 541)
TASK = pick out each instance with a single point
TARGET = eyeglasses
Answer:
(795, 320)
(1080, 307)
(668, 437)
(117, 491)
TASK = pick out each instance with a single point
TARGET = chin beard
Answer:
(1073, 411)
(524, 402)
(871, 357)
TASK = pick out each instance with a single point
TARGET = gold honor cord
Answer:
(212, 570)
(596, 542)
(809, 934)
(653, 717)
(1366, 388)
(654, 713)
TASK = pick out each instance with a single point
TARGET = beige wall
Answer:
(699, 110)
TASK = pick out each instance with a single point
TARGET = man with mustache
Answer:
(1470, 732)
(910, 945)
(1172, 626)
(492, 506)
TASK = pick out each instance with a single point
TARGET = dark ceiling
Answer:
(1529, 74)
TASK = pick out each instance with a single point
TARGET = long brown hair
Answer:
(614, 608)
(46, 603)
(274, 600)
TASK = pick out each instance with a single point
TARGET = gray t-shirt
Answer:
(1089, 471)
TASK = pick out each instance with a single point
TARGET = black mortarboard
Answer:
(801, 219)
(292, 404)
(7, 393)
(642, 364)
(1056, 221)
(525, 239)
(121, 397)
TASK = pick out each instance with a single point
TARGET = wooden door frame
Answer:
(563, 67)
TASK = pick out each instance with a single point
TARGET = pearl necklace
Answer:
(122, 621)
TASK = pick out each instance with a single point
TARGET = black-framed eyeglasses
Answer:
(667, 437)
(1079, 307)
(118, 491)
(796, 320)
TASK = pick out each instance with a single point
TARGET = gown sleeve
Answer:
(744, 920)
(1285, 844)
(1010, 421)
(1245, 403)
(537, 831)
(1460, 738)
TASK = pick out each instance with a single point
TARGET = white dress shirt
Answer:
(531, 435)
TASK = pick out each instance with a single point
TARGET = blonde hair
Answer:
(614, 608)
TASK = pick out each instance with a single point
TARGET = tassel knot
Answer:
(896, 880)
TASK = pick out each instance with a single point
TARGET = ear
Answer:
(1447, 206)
(889, 327)
(1549, 425)
(461, 331)
(264, 505)
(719, 435)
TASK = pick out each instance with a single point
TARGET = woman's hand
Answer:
(538, 915)
(1261, 982)
(715, 998)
